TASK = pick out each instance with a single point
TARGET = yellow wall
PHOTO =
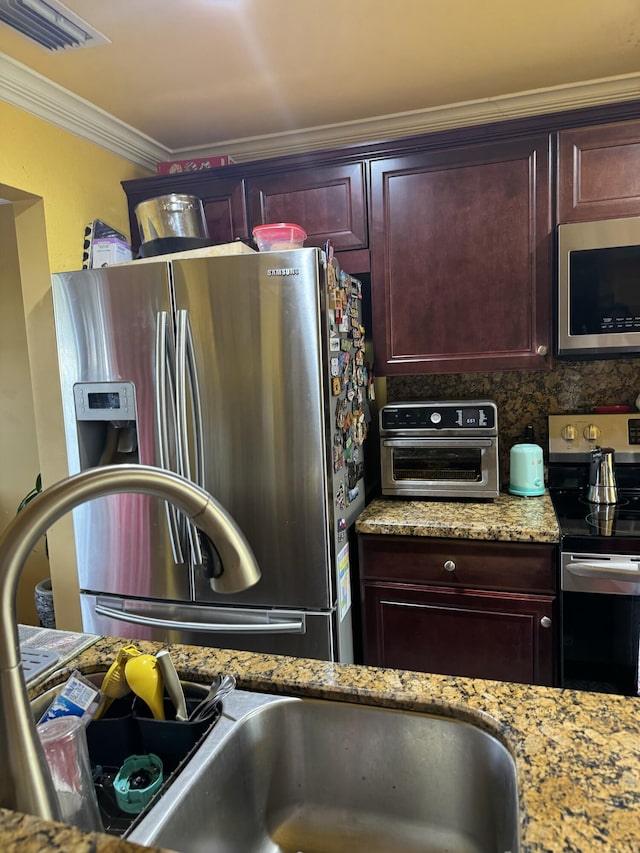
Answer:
(18, 449)
(78, 181)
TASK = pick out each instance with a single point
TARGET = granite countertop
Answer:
(577, 754)
(508, 518)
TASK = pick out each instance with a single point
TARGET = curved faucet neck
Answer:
(25, 781)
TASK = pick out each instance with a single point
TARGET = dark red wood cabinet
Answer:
(461, 258)
(455, 227)
(460, 607)
(327, 201)
(599, 172)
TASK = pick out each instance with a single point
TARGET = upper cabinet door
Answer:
(327, 201)
(599, 172)
(461, 258)
(225, 211)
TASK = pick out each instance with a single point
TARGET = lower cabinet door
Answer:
(503, 636)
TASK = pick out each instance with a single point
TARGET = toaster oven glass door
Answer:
(437, 464)
(440, 467)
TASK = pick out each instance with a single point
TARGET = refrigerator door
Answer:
(115, 343)
(271, 631)
(256, 326)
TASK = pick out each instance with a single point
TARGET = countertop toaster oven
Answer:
(440, 449)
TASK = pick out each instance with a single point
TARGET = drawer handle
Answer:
(449, 566)
(545, 622)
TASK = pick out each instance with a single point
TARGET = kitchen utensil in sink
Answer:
(172, 684)
(114, 684)
(139, 778)
(64, 741)
(217, 691)
(145, 679)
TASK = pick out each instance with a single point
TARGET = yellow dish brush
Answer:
(145, 679)
(114, 684)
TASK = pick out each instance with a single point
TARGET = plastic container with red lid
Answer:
(279, 236)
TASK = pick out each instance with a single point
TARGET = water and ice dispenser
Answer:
(106, 422)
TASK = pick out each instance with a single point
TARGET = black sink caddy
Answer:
(127, 728)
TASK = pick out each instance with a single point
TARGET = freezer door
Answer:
(115, 335)
(296, 633)
(255, 323)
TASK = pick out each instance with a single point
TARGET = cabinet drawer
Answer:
(503, 566)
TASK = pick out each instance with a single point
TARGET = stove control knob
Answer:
(569, 432)
(591, 432)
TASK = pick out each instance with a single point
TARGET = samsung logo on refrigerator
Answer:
(284, 271)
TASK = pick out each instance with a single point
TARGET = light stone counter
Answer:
(577, 754)
(508, 518)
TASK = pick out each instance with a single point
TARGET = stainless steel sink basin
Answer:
(284, 774)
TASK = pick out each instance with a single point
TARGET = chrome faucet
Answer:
(25, 780)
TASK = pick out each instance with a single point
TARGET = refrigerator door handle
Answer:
(197, 406)
(165, 358)
(187, 380)
(276, 623)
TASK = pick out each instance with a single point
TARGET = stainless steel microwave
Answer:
(599, 287)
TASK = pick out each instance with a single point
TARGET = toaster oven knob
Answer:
(591, 432)
(545, 622)
(569, 432)
(449, 566)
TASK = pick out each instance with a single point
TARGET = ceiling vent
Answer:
(50, 24)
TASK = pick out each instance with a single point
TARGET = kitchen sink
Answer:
(287, 774)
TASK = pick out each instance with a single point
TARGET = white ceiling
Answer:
(192, 73)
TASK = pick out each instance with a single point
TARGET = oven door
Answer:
(439, 467)
(600, 616)
(607, 574)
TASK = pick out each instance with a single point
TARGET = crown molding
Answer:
(535, 102)
(24, 88)
(35, 94)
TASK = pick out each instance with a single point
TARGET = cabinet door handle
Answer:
(449, 566)
(542, 350)
(545, 622)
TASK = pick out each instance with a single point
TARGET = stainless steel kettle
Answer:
(602, 487)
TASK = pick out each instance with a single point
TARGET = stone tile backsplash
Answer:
(527, 397)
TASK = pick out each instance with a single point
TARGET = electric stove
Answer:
(599, 552)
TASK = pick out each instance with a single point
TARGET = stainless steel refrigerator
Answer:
(247, 374)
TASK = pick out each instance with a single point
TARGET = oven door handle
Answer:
(610, 570)
(419, 442)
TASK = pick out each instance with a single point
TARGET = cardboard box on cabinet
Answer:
(194, 164)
